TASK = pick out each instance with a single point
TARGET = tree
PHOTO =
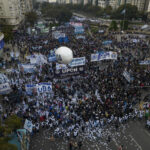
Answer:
(64, 15)
(31, 17)
(131, 12)
(108, 10)
(13, 122)
(113, 25)
(8, 34)
(4, 145)
(124, 25)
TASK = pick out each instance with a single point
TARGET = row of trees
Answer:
(131, 11)
(10, 125)
(123, 25)
(56, 12)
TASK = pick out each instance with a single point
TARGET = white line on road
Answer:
(115, 142)
(135, 142)
(147, 133)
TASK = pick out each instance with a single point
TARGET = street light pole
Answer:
(124, 13)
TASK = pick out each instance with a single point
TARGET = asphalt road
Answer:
(133, 136)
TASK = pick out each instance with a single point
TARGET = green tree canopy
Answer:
(13, 122)
(131, 12)
(31, 17)
(8, 34)
(113, 25)
(124, 25)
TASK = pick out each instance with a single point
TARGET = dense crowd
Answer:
(87, 102)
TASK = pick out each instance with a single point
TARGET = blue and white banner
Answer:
(40, 88)
(127, 76)
(28, 125)
(37, 59)
(104, 56)
(44, 87)
(30, 89)
(1, 44)
(107, 42)
(80, 37)
(78, 30)
(58, 34)
(61, 66)
(144, 62)
(52, 56)
(80, 61)
(5, 88)
(27, 68)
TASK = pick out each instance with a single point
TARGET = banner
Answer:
(28, 125)
(127, 76)
(58, 34)
(44, 87)
(27, 68)
(144, 62)
(104, 56)
(40, 88)
(80, 37)
(52, 56)
(78, 30)
(135, 40)
(1, 44)
(5, 88)
(76, 24)
(107, 42)
(70, 71)
(38, 59)
(80, 61)
(30, 89)
(63, 39)
(3, 78)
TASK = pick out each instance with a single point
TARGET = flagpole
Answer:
(124, 14)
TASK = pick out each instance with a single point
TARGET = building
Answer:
(142, 5)
(13, 12)
(10, 12)
(41, 1)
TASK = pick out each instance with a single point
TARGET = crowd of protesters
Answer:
(87, 102)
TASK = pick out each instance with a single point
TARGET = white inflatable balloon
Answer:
(64, 55)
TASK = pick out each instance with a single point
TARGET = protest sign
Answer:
(104, 56)
(5, 88)
(70, 71)
(107, 42)
(44, 87)
(27, 68)
(144, 62)
(40, 88)
(52, 56)
(28, 125)
(127, 76)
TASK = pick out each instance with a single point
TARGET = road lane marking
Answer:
(147, 132)
(135, 142)
(115, 142)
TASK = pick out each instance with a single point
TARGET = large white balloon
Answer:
(64, 55)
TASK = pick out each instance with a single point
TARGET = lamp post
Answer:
(124, 14)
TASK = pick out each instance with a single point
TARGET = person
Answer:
(120, 147)
(109, 138)
(70, 145)
(79, 145)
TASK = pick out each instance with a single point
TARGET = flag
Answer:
(123, 12)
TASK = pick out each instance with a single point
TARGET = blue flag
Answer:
(1, 44)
